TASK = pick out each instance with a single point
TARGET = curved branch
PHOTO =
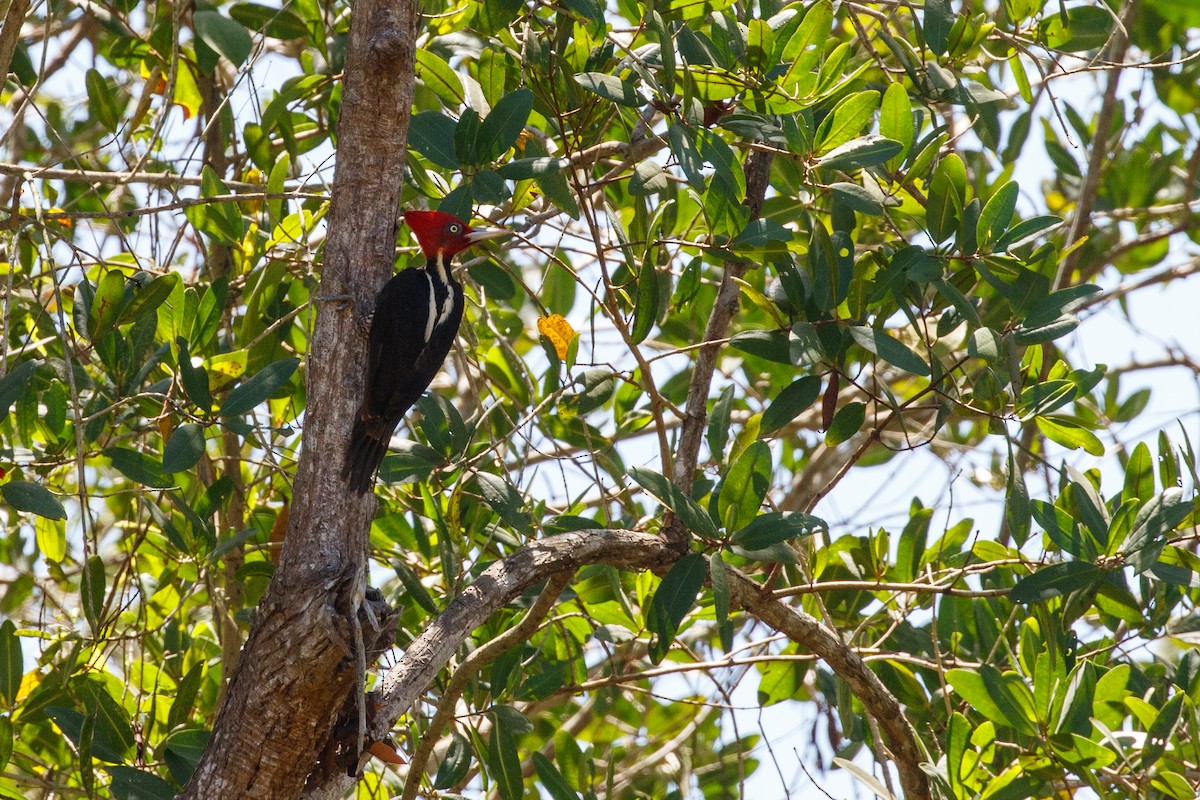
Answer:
(880, 703)
(507, 578)
(495, 587)
(499, 584)
(471, 665)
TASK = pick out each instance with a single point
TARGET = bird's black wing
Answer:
(408, 344)
(398, 342)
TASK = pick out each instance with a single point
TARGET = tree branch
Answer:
(495, 587)
(471, 665)
(880, 704)
(758, 172)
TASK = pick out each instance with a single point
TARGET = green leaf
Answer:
(184, 448)
(775, 527)
(683, 146)
(645, 310)
(789, 403)
(11, 662)
(805, 51)
(456, 764)
(130, 783)
(503, 761)
(440, 79)
(1082, 28)
(220, 220)
(865, 151)
(937, 22)
(278, 23)
(718, 423)
(224, 35)
(194, 379)
(727, 169)
(1027, 230)
(34, 498)
(113, 737)
(501, 128)
(846, 422)
(413, 587)
(1162, 730)
(672, 601)
(182, 750)
(987, 344)
(1069, 433)
(847, 121)
(138, 467)
(102, 104)
(106, 305)
(648, 178)
(1056, 580)
(720, 586)
(16, 383)
(745, 486)
(759, 234)
(684, 507)
(1053, 307)
(917, 264)
(1154, 521)
(525, 168)
(896, 118)
(891, 350)
(1139, 474)
(431, 133)
(552, 780)
(6, 741)
(488, 187)
(183, 706)
(609, 87)
(857, 198)
(91, 591)
(714, 85)
(259, 387)
(149, 297)
(771, 345)
(666, 48)
(1017, 510)
(464, 137)
(943, 207)
(997, 214)
(553, 184)
(505, 500)
(1002, 698)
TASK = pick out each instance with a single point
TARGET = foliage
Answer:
(908, 286)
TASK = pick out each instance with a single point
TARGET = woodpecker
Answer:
(413, 327)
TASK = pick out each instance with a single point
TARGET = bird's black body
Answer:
(413, 327)
(412, 330)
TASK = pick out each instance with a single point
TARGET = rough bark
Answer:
(10, 32)
(495, 587)
(298, 666)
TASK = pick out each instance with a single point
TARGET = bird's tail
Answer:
(364, 453)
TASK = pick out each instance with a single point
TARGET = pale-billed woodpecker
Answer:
(413, 327)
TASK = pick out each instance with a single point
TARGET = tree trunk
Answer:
(298, 667)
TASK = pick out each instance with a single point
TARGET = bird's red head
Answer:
(441, 233)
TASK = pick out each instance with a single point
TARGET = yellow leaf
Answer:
(224, 368)
(558, 331)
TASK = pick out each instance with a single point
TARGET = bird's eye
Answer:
(455, 228)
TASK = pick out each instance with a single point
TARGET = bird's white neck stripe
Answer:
(440, 266)
(431, 318)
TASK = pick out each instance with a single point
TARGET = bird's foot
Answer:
(362, 314)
